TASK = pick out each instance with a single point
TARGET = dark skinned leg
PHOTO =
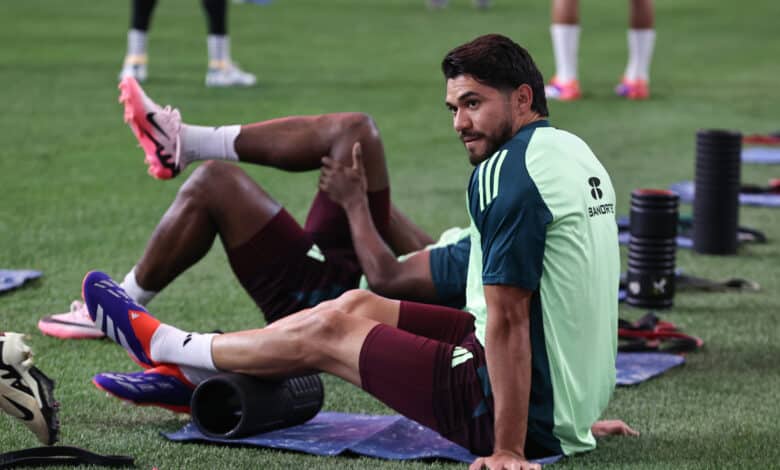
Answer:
(298, 143)
(641, 14)
(203, 209)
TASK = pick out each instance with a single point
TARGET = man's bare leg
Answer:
(204, 208)
(326, 338)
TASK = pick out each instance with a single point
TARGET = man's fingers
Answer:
(357, 156)
(477, 464)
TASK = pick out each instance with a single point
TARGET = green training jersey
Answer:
(543, 219)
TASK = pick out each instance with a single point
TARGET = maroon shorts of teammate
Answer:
(433, 370)
(286, 267)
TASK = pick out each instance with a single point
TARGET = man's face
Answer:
(481, 115)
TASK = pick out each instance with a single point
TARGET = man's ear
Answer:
(523, 97)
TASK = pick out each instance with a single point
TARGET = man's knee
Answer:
(210, 179)
(353, 300)
(314, 330)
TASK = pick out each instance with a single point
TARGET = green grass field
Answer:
(75, 194)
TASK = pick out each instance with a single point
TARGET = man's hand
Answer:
(345, 185)
(612, 427)
(504, 461)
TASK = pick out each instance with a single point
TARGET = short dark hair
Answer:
(498, 62)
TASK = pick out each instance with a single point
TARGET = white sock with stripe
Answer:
(219, 49)
(566, 45)
(174, 346)
(138, 293)
(641, 43)
(136, 42)
(208, 143)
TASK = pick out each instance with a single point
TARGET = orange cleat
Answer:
(563, 91)
(633, 89)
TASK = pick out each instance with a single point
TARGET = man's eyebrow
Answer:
(463, 97)
(467, 95)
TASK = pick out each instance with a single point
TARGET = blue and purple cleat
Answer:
(163, 386)
(119, 317)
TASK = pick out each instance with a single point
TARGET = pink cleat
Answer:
(563, 91)
(633, 89)
(157, 129)
(75, 324)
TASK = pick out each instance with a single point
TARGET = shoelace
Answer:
(79, 310)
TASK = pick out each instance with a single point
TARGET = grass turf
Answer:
(76, 196)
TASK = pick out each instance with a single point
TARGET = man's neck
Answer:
(527, 119)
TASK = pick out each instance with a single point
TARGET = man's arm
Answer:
(404, 236)
(508, 353)
(387, 276)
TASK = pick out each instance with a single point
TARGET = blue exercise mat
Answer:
(11, 279)
(761, 155)
(635, 367)
(686, 191)
(395, 437)
(390, 437)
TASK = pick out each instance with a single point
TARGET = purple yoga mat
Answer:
(395, 437)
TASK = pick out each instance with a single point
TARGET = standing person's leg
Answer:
(222, 71)
(641, 42)
(135, 59)
(565, 33)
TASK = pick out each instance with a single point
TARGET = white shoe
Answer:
(227, 74)
(75, 324)
(134, 66)
(25, 392)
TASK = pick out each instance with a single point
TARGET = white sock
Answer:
(641, 43)
(174, 346)
(196, 375)
(566, 45)
(136, 42)
(138, 293)
(219, 49)
(208, 143)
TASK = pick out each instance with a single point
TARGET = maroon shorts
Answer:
(433, 370)
(284, 272)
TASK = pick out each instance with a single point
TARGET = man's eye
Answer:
(473, 104)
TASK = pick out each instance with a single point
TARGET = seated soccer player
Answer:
(25, 392)
(528, 369)
(284, 267)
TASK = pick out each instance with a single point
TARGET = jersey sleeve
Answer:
(511, 218)
(449, 268)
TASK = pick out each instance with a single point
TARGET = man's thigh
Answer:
(438, 322)
(284, 271)
(435, 383)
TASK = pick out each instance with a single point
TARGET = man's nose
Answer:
(461, 121)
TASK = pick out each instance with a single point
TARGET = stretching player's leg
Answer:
(641, 42)
(135, 59)
(295, 143)
(435, 383)
(565, 32)
(202, 210)
(222, 71)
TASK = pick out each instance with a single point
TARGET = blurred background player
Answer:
(25, 392)
(565, 32)
(222, 71)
